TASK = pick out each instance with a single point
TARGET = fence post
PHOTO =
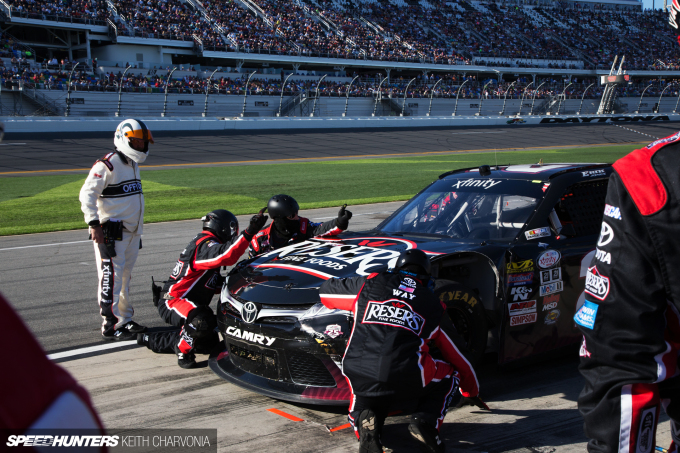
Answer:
(245, 94)
(481, 99)
(583, 97)
(316, 98)
(403, 104)
(531, 112)
(455, 109)
(283, 87)
(349, 88)
(120, 89)
(431, 95)
(377, 96)
(68, 96)
(207, 91)
(505, 98)
(165, 101)
(643, 93)
(519, 112)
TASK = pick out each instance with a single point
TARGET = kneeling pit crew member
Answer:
(288, 227)
(113, 203)
(396, 317)
(193, 282)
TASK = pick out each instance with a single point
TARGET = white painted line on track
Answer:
(44, 245)
(464, 133)
(10, 144)
(118, 344)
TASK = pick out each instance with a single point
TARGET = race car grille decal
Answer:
(395, 313)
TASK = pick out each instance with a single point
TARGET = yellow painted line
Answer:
(367, 156)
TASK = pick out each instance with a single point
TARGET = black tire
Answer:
(467, 314)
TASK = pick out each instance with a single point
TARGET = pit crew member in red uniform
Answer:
(396, 319)
(630, 318)
(288, 228)
(113, 203)
(196, 278)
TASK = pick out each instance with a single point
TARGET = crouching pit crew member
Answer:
(288, 227)
(113, 203)
(396, 318)
(187, 294)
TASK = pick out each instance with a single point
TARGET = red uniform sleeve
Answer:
(211, 254)
(469, 385)
(341, 293)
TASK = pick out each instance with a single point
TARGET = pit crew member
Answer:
(396, 318)
(288, 227)
(195, 279)
(113, 203)
(631, 326)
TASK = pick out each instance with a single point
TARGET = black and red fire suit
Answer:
(193, 282)
(268, 239)
(396, 318)
(630, 319)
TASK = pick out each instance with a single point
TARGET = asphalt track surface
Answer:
(50, 279)
(26, 154)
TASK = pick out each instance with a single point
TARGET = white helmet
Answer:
(132, 129)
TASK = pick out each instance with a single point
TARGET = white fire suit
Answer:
(113, 191)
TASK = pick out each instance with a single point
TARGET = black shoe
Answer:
(369, 432)
(186, 361)
(143, 339)
(120, 335)
(133, 327)
(427, 434)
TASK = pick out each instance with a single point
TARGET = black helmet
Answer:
(221, 222)
(415, 261)
(282, 206)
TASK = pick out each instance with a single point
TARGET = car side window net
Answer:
(582, 206)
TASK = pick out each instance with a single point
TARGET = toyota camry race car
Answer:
(510, 248)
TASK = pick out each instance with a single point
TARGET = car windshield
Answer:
(468, 208)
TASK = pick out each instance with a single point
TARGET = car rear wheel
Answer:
(467, 313)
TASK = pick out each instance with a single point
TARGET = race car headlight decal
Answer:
(320, 309)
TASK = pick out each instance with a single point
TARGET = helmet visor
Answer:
(142, 134)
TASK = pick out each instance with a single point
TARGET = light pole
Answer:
(349, 88)
(120, 89)
(316, 98)
(641, 96)
(455, 109)
(377, 96)
(583, 97)
(207, 91)
(403, 104)
(431, 95)
(534, 98)
(519, 113)
(165, 101)
(282, 90)
(68, 96)
(658, 104)
(563, 96)
(481, 98)
(245, 94)
(506, 97)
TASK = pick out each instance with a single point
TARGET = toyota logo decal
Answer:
(249, 312)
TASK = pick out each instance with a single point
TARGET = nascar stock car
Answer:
(510, 248)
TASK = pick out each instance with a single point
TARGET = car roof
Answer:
(528, 172)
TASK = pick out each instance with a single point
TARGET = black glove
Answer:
(343, 218)
(257, 222)
(472, 401)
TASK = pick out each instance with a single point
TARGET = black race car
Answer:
(510, 248)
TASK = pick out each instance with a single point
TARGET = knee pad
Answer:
(200, 323)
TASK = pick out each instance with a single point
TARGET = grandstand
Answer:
(133, 45)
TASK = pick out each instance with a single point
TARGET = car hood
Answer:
(293, 274)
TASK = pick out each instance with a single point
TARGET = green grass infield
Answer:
(36, 204)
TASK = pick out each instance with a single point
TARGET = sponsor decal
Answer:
(603, 256)
(97, 175)
(458, 295)
(211, 243)
(251, 337)
(177, 270)
(549, 306)
(214, 282)
(612, 211)
(646, 433)
(586, 315)
(545, 186)
(406, 288)
(249, 312)
(550, 288)
(612, 119)
(324, 263)
(551, 275)
(552, 317)
(550, 302)
(522, 319)
(380, 243)
(537, 233)
(548, 259)
(597, 285)
(521, 308)
(106, 278)
(520, 293)
(606, 235)
(525, 278)
(515, 121)
(661, 141)
(333, 330)
(394, 313)
(407, 281)
(520, 266)
(591, 173)
(403, 294)
(542, 245)
(583, 352)
(482, 183)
